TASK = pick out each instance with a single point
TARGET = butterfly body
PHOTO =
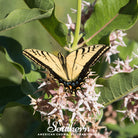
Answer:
(72, 69)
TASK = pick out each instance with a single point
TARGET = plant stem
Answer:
(77, 30)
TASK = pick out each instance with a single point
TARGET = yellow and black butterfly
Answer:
(72, 69)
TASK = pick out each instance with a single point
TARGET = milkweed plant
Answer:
(108, 98)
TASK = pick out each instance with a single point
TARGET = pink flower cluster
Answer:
(131, 105)
(81, 108)
(60, 103)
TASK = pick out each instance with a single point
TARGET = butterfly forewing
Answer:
(46, 60)
(81, 59)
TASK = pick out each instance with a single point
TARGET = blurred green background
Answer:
(16, 121)
(33, 35)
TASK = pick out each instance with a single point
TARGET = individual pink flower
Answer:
(70, 25)
(83, 4)
(130, 114)
(90, 84)
(83, 100)
(34, 102)
(116, 39)
(59, 95)
(94, 131)
(121, 66)
(57, 108)
(76, 111)
(110, 52)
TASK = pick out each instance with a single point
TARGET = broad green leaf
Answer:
(9, 74)
(33, 76)
(15, 122)
(10, 94)
(123, 132)
(7, 6)
(21, 16)
(14, 50)
(44, 5)
(132, 47)
(100, 67)
(117, 87)
(18, 67)
(108, 16)
(57, 29)
(27, 87)
(30, 88)
(22, 123)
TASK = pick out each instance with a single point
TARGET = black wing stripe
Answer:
(89, 49)
(42, 52)
(53, 61)
(83, 52)
(93, 47)
(34, 52)
(74, 61)
(62, 60)
(34, 59)
(38, 53)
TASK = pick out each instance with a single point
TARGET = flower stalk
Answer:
(78, 23)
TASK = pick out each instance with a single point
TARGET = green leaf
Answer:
(100, 68)
(9, 74)
(5, 10)
(18, 67)
(33, 76)
(29, 84)
(14, 50)
(30, 88)
(57, 29)
(27, 87)
(123, 132)
(44, 5)
(10, 94)
(132, 47)
(21, 16)
(108, 16)
(117, 87)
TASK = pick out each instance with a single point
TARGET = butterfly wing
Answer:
(72, 69)
(47, 61)
(79, 61)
